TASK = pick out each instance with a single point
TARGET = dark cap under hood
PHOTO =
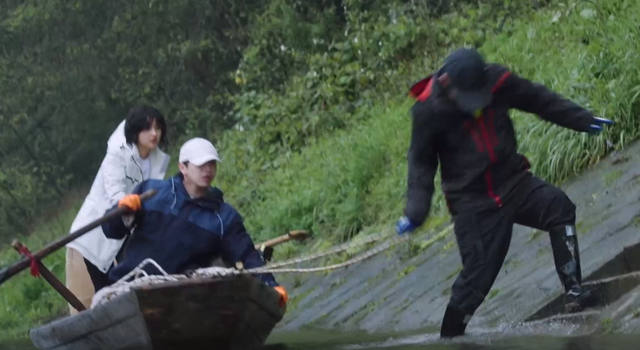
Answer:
(468, 74)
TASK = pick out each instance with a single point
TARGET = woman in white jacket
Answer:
(132, 156)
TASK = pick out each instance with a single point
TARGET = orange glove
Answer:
(284, 297)
(131, 201)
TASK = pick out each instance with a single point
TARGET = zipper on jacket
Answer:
(487, 142)
(491, 141)
(492, 156)
(489, 181)
(490, 138)
(139, 167)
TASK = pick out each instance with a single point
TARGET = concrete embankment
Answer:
(405, 290)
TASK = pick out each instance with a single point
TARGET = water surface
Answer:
(429, 341)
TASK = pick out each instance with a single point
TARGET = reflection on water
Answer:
(430, 341)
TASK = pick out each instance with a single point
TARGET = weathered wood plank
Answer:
(243, 285)
(126, 335)
(105, 327)
(231, 313)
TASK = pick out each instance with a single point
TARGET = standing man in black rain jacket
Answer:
(461, 120)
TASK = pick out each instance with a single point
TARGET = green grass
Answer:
(593, 61)
(26, 301)
(356, 178)
(342, 185)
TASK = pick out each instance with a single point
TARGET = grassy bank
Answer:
(24, 300)
(343, 184)
(356, 178)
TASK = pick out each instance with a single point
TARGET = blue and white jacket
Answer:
(181, 233)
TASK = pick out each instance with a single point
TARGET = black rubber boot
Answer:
(566, 254)
(454, 323)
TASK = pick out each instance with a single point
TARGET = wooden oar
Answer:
(51, 278)
(297, 235)
(14, 269)
(267, 247)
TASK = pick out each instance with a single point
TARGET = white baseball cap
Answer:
(198, 151)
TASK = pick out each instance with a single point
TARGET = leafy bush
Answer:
(27, 301)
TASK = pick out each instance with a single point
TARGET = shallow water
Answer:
(429, 341)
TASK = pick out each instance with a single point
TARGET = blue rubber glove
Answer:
(404, 225)
(596, 126)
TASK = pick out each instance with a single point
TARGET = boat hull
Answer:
(230, 313)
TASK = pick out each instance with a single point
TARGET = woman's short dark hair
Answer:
(140, 119)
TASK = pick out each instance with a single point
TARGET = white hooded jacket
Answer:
(119, 173)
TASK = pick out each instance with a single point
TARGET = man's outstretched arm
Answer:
(536, 98)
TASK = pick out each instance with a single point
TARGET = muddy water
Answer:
(430, 341)
(489, 340)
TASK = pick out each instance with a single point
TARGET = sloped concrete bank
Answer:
(403, 291)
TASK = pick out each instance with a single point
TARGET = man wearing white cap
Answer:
(187, 223)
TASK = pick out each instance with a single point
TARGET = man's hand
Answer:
(131, 201)
(405, 225)
(284, 297)
(596, 125)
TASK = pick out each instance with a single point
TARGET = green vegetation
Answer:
(493, 293)
(611, 177)
(537, 234)
(307, 102)
(454, 273)
(25, 300)
(607, 326)
(407, 270)
(355, 178)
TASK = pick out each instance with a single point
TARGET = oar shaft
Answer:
(53, 281)
(14, 269)
(293, 235)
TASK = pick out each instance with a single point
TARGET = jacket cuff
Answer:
(271, 283)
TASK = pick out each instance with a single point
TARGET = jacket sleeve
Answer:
(114, 175)
(120, 226)
(423, 164)
(537, 99)
(238, 246)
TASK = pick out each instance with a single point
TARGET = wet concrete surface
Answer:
(398, 291)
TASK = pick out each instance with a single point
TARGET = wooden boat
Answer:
(231, 313)
(226, 313)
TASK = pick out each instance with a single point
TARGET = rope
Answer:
(208, 271)
(139, 277)
(34, 269)
(337, 249)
